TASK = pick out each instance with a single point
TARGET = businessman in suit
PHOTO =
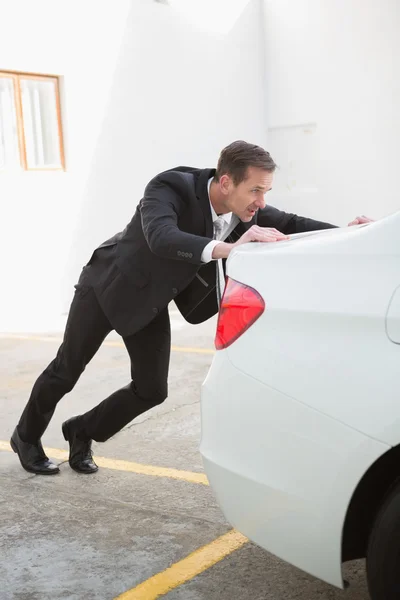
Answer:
(184, 228)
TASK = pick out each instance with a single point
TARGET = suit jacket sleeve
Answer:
(160, 209)
(288, 223)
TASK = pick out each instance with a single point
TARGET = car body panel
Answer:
(324, 335)
(284, 479)
(393, 318)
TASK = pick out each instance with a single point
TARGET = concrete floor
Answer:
(76, 537)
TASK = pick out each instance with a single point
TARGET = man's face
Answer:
(245, 199)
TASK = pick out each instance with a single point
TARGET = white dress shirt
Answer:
(208, 250)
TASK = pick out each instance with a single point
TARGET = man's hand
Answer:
(361, 220)
(254, 234)
(261, 234)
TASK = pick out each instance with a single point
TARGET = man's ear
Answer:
(225, 183)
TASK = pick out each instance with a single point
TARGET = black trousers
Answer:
(86, 329)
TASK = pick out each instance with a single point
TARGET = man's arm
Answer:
(289, 223)
(160, 208)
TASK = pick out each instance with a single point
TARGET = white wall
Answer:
(143, 91)
(38, 210)
(333, 98)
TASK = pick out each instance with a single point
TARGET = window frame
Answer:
(16, 76)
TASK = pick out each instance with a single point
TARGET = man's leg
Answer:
(85, 331)
(149, 351)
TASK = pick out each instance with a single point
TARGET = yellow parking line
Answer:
(127, 466)
(184, 570)
(44, 338)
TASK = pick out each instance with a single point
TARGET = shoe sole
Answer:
(83, 472)
(15, 449)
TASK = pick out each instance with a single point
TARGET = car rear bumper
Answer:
(283, 473)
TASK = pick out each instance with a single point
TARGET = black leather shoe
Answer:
(32, 456)
(80, 451)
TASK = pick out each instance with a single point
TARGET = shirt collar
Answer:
(214, 215)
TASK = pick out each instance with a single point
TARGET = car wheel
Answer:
(383, 555)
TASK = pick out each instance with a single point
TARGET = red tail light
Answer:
(241, 306)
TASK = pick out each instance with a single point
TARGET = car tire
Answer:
(383, 554)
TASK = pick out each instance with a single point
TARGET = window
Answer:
(30, 122)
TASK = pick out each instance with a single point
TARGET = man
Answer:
(187, 220)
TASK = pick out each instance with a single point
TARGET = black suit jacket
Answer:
(157, 258)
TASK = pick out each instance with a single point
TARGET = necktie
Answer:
(219, 226)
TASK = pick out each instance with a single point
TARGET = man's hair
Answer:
(236, 158)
